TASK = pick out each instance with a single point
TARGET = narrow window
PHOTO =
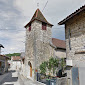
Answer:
(29, 27)
(43, 26)
(69, 34)
(23, 61)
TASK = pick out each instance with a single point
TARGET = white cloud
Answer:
(14, 14)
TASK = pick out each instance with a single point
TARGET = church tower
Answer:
(37, 47)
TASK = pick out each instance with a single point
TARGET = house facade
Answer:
(75, 46)
(37, 47)
(59, 47)
(3, 64)
(22, 63)
(15, 63)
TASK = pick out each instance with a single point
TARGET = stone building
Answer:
(37, 47)
(3, 64)
(15, 63)
(22, 62)
(59, 47)
(75, 46)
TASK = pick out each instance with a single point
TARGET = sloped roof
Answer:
(1, 46)
(59, 43)
(72, 15)
(5, 56)
(38, 16)
(16, 58)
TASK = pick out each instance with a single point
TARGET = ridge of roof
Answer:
(5, 56)
(72, 15)
(38, 16)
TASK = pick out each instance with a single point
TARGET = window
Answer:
(44, 26)
(69, 35)
(30, 27)
(23, 61)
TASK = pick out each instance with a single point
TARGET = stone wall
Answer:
(77, 42)
(37, 47)
(77, 39)
(62, 81)
(60, 53)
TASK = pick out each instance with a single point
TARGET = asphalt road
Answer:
(10, 78)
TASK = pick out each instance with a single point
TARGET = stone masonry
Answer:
(37, 47)
(75, 28)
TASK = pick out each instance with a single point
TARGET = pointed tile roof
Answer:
(38, 16)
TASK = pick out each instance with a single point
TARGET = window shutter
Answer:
(30, 27)
(43, 26)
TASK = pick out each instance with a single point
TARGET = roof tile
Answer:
(59, 43)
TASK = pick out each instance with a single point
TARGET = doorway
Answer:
(30, 69)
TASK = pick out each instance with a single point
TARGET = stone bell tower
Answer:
(37, 47)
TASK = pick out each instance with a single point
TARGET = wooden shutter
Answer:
(43, 26)
(30, 27)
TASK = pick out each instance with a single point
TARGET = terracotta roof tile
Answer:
(72, 15)
(38, 16)
(16, 58)
(59, 43)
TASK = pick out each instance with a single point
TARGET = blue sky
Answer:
(14, 14)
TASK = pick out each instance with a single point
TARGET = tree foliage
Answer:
(63, 63)
(51, 64)
(43, 67)
(13, 54)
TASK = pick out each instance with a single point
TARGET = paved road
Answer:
(10, 78)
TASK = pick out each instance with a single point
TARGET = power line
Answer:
(45, 6)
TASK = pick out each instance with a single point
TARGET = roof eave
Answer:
(72, 15)
(38, 20)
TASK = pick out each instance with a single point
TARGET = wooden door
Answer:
(30, 70)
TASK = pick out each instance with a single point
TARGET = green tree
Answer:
(52, 64)
(63, 63)
(13, 54)
(43, 67)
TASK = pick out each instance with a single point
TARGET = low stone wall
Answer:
(62, 81)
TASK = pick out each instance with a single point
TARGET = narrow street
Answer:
(10, 78)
